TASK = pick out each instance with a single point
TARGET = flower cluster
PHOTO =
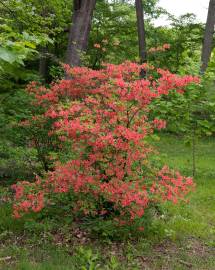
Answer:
(104, 116)
(31, 198)
(159, 48)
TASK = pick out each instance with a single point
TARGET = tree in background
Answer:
(141, 30)
(43, 23)
(79, 30)
(141, 34)
(184, 36)
(113, 37)
(208, 36)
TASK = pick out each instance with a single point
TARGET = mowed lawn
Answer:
(182, 236)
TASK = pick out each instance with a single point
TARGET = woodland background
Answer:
(36, 37)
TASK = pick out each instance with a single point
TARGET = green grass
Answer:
(183, 237)
(198, 217)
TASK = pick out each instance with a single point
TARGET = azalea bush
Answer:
(101, 118)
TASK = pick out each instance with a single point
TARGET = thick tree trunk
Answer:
(208, 36)
(79, 30)
(141, 35)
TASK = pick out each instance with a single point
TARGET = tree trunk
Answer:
(43, 63)
(141, 34)
(79, 30)
(208, 36)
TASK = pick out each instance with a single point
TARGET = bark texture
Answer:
(208, 36)
(141, 30)
(79, 30)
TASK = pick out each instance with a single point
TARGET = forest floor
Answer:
(183, 236)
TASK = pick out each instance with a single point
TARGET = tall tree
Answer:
(79, 30)
(141, 33)
(208, 36)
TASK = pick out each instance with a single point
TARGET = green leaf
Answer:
(30, 44)
(7, 55)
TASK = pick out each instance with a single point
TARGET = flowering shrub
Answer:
(103, 116)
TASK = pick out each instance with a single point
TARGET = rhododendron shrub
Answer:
(103, 117)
